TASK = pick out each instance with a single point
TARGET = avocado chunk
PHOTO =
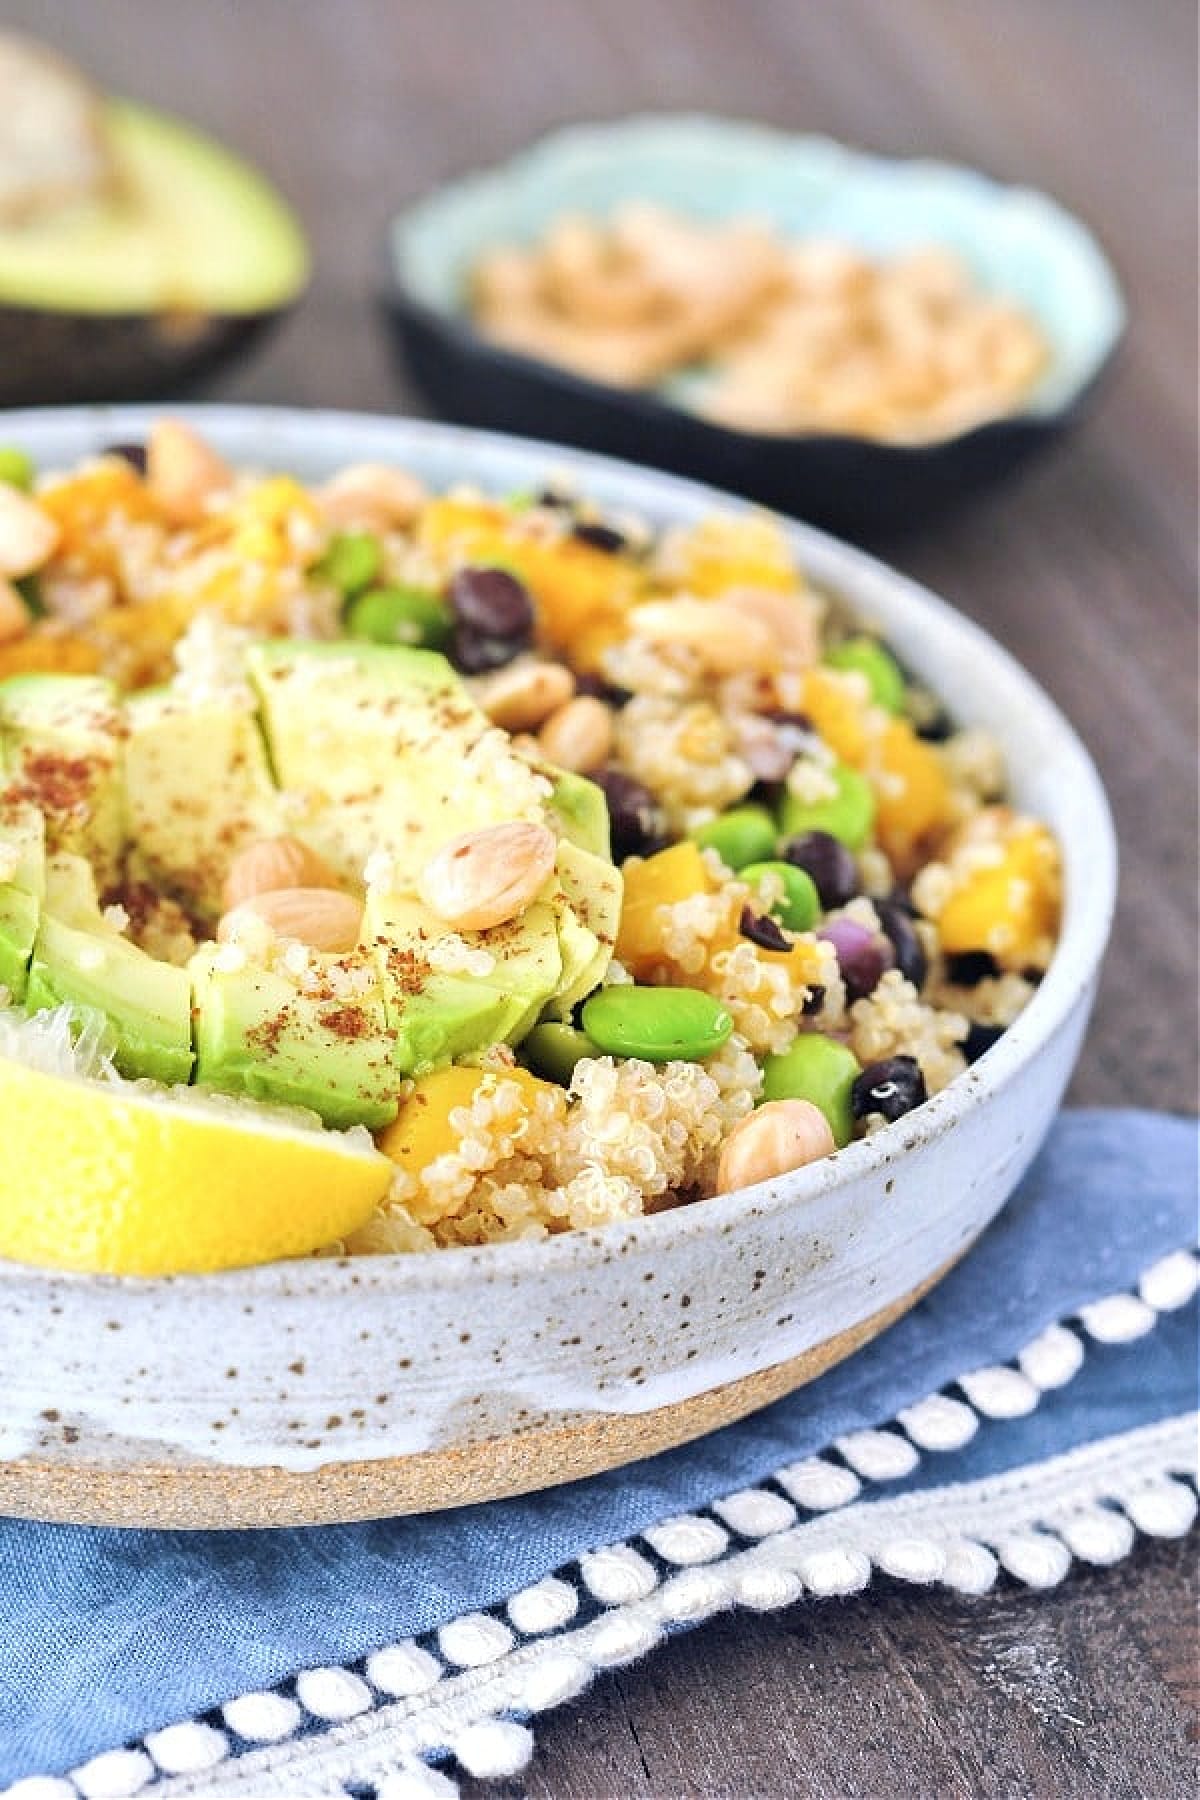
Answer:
(80, 960)
(62, 738)
(198, 790)
(581, 811)
(589, 910)
(91, 292)
(441, 1007)
(22, 887)
(324, 1045)
(380, 746)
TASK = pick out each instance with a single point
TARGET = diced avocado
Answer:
(62, 737)
(438, 1014)
(82, 962)
(588, 915)
(22, 887)
(198, 789)
(582, 812)
(259, 1033)
(381, 745)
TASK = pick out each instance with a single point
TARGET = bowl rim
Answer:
(654, 407)
(1072, 971)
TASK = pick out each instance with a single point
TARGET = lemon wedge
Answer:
(127, 1178)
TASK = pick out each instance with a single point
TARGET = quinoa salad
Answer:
(590, 869)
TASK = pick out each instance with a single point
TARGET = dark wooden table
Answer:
(1086, 570)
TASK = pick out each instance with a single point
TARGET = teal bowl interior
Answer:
(1017, 242)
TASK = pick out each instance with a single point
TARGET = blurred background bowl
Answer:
(1016, 242)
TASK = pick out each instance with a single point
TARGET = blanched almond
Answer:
(724, 641)
(579, 735)
(522, 696)
(487, 877)
(775, 1138)
(183, 472)
(273, 863)
(28, 536)
(14, 614)
(372, 494)
(788, 617)
(319, 917)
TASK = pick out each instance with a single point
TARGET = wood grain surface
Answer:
(1086, 569)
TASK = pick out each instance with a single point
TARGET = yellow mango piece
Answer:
(839, 714)
(1009, 908)
(46, 655)
(912, 794)
(724, 553)
(93, 508)
(421, 1130)
(662, 880)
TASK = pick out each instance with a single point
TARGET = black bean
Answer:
(814, 1001)
(891, 1087)
(597, 688)
(832, 867)
(636, 822)
(552, 498)
(971, 967)
(474, 653)
(980, 1038)
(763, 930)
(492, 603)
(133, 454)
(780, 716)
(600, 537)
(898, 928)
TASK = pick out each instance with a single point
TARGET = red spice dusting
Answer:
(347, 1022)
(266, 1036)
(55, 783)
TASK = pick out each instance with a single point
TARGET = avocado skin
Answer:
(59, 358)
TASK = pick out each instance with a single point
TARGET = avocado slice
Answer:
(62, 737)
(179, 257)
(259, 1033)
(198, 789)
(437, 1015)
(581, 811)
(22, 888)
(588, 914)
(80, 960)
(381, 745)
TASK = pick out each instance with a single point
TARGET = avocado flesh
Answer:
(588, 915)
(258, 1033)
(198, 789)
(80, 961)
(381, 746)
(62, 737)
(190, 229)
(435, 1015)
(22, 888)
(581, 811)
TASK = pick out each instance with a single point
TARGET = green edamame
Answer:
(800, 905)
(400, 615)
(552, 1050)
(351, 561)
(16, 469)
(847, 815)
(866, 656)
(819, 1069)
(658, 1024)
(743, 835)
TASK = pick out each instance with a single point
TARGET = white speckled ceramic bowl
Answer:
(322, 1390)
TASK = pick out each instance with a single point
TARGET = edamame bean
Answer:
(746, 834)
(400, 615)
(867, 656)
(351, 561)
(847, 815)
(552, 1050)
(16, 469)
(658, 1024)
(819, 1069)
(800, 904)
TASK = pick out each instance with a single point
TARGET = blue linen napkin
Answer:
(107, 1635)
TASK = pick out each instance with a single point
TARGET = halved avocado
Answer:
(181, 257)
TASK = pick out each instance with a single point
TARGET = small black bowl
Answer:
(1018, 241)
